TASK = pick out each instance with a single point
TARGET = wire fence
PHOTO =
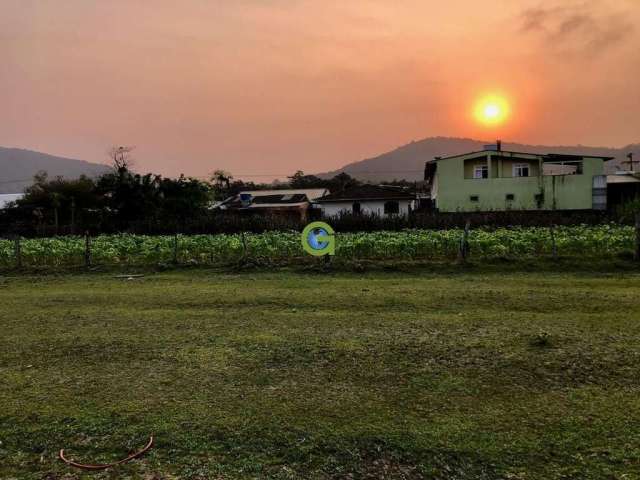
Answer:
(23, 223)
(286, 247)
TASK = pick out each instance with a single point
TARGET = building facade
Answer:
(290, 203)
(494, 179)
(379, 200)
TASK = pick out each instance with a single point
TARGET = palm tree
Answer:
(221, 180)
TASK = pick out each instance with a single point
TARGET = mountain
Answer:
(17, 168)
(407, 162)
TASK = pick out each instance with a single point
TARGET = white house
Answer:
(381, 200)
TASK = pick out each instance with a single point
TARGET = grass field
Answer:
(306, 376)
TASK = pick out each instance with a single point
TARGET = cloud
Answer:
(580, 28)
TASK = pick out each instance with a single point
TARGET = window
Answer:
(481, 171)
(391, 207)
(521, 170)
(356, 208)
(510, 196)
(474, 198)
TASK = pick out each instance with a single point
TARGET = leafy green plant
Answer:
(278, 246)
(542, 339)
(627, 211)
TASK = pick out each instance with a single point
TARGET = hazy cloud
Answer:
(579, 28)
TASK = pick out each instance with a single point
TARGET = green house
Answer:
(494, 179)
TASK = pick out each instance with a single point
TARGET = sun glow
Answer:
(492, 110)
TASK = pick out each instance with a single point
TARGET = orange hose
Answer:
(109, 465)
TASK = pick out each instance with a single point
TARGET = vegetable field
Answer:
(125, 249)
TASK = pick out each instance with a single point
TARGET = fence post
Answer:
(17, 247)
(463, 252)
(637, 249)
(87, 249)
(73, 215)
(244, 246)
(175, 249)
(554, 246)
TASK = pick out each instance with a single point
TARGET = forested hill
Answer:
(18, 166)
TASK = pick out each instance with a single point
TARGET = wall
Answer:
(368, 207)
(500, 167)
(561, 192)
(508, 163)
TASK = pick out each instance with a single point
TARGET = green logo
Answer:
(318, 239)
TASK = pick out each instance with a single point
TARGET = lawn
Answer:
(476, 375)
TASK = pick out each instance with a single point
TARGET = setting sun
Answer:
(492, 110)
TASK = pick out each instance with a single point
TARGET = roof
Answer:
(281, 206)
(272, 198)
(569, 157)
(311, 193)
(280, 199)
(626, 177)
(551, 157)
(369, 192)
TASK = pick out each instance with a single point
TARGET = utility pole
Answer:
(631, 161)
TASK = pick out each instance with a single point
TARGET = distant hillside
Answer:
(407, 162)
(17, 168)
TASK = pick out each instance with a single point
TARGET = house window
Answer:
(391, 207)
(521, 170)
(481, 171)
(356, 208)
(510, 196)
(474, 198)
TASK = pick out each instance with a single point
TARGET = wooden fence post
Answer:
(244, 246)
(463, 252)
(87, 249)
(175, 249)
(17, 247)
(73, 215)
(637, 249)
(554, 246)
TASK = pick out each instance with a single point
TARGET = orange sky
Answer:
(271, 86)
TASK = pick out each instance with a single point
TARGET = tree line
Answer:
(122, 200)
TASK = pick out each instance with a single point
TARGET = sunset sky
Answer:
(271, 86)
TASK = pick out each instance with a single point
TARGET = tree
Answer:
(221, 178)
(55, 202)
(121, 158)
(221, 181)
(300, 180)
(341, 182)
(183, 199)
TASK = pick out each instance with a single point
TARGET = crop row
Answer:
(604, 240)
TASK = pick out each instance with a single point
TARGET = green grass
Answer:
(475, 375)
